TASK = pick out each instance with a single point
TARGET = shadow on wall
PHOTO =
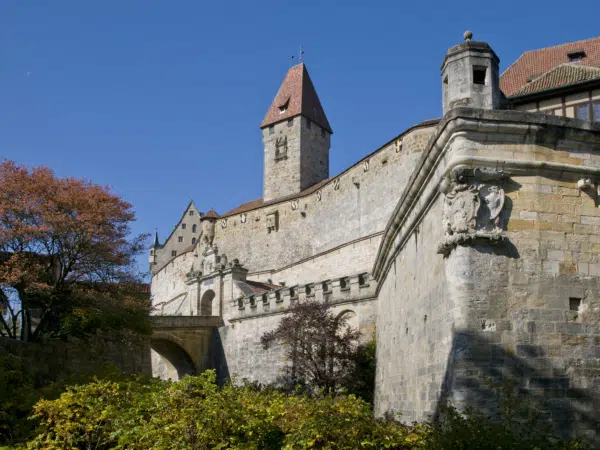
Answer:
(173, 362)
(218, 358)
(479, 372)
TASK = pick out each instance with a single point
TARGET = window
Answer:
(180, 239)
(574, 303)
(173, 252)
(479, 74)
(193, 241)
(582, 111)
(323, 132)
(183, 226)
(596, 112)
(290, 122)
(272, 129)
(194, 228)
(191, 213)
(575, 57)
(151, 252)
(308, 124)
(284, 106)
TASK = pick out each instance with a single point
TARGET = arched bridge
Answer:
(182, 344)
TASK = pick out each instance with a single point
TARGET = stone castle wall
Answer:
(353, 205)
(525, 310)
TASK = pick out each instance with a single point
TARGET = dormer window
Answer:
(284, 106)
(577, 56)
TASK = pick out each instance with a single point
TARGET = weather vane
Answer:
(301, 55)
(292, 59)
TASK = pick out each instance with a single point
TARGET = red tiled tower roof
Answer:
(296, 96)
(211, 214)
(534, 64)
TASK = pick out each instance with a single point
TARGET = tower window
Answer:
(173, 252)
(183, 226)
(272, 129)
(151, 252)
(290, 122)
(575, 57)
(479, 74)
(180, 239)
(194, 228)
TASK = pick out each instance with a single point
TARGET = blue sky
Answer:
(162, 100)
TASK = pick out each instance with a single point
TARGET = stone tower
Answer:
(470, 76)
(296, 137)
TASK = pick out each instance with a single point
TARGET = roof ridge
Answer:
(560, 45)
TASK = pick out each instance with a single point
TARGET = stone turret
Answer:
(296, 137)
(208, 227)
(152, 254)
(470, 76)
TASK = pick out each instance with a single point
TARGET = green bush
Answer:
(194, 413)
(22, 387)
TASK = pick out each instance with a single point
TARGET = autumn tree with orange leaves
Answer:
(66, 257)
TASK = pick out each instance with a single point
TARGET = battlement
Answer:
(352, 288)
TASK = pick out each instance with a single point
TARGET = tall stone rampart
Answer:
(503, 212)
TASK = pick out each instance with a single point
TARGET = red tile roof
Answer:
(257, 287)
(560, 76)
(534, 64)
(296, 96)
(211, 214)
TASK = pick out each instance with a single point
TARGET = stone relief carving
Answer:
(272, 221)
(281, 147)
(473, 203)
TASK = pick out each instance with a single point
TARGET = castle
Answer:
(471, 244)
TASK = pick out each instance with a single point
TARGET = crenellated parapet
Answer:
(352, 288)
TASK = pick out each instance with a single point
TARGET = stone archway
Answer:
(170, 361)
(206, 303)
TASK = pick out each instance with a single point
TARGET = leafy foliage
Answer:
(195, 413)
(66, 259)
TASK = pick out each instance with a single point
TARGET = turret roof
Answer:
(211, 214)
(296, 96)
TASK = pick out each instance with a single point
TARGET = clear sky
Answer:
(162, 100)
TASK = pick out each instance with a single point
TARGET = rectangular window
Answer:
(191, 213)
(574, 303)
(180, 239)
(582, 111)
(151, 252)
(272, 129)
(173, 252)
(183, 226)
(596, 111)
(479, 74)
(290, 122)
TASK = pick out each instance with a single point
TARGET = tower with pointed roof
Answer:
(296, 137)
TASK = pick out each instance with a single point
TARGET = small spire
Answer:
(301, 55)
(468, 35)
(156, 243)
(292, 61)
